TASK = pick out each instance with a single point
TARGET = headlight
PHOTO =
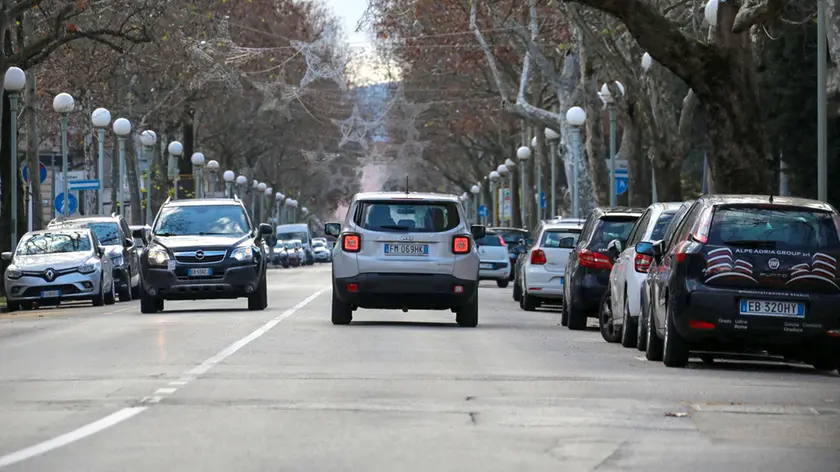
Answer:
(243, 254)
(89, 266)
(117, 261)
(13, 272)
(158, 256)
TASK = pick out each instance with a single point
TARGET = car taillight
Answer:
(594, 260)
(351, 242)
(700, 232)
(643, 263)
(538, 257)
(461, 244)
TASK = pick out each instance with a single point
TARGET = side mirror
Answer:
(6, 256)
(656, 249)
(265, 229)
(332, 229)
(128, 242)
(478, 231)
(645, 248)
(101, 251)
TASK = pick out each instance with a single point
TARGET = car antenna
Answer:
(771, 199)
(406, 184)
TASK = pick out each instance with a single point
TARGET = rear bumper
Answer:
(405, 291)
(587, 291)
(500, 271)
(227, 281)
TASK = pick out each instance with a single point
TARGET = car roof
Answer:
(435, 197)
(60, 230)
(563, 225)
(668, 206)
(502, 229)
(716, 200)
(85, 219)
(619, 211)
(204, 202)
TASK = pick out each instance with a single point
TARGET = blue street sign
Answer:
(41, 167)
(72, 203)
(483, 212)
(622, 181)
(542, 199)
(83, 184)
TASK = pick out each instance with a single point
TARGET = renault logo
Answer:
(199, 254)
(49, 274)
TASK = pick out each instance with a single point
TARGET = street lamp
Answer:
(241, 182)
(476, 191)
(213, 167)
(197, 160)
(269, 191)
(710, 12)
(229, 177)
(576, 117)
(176, 150)
(260, 189)
(63, 103)
(647, 63)
(101, 118)
(495, 176)
(552, 137)
(278, 203)
(609, 100)
(122, 128)
(14, 82)
(504, 172)
(254, 185)
(523, 154)
(148, 138)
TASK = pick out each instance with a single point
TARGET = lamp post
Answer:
(213, 167)
(278, 203)
(476, 191)
(576, 117)
(241, 182)
(504, 172)
(494, 190)
(176, 150)
(229, 177)
(523, 154)
(647, 63)
(609, 100)
(14, 82)
(122, 128)
(822, 101)
(269, 191)
(254, 186)
(101, 118)
(538, 171)
(148, 138)
(63, 103)
(552, 137)
(258, 197)
(292, 204)
(197, 160)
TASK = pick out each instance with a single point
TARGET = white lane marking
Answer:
(179, 383)
(165, 391)
(126, 413)
(72, 436)
(641, 358)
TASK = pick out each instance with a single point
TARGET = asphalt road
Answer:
(210, 386)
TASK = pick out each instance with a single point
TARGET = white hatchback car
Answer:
(543, 272)
(630, 269)
(495, 259)
(408, 251)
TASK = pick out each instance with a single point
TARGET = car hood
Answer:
(57, 261)
(200, 242)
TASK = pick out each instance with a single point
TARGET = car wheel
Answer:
(341, 312)
(564, 314)
(529, 303)
(467, 315)
(517, 291)
(135, 291)
(99, 299)
(641, 328)
(502, 283)
(259, 300)
(629, 330)
(125, 293)
(605, 320)
(111, 295)
(149, 304)
(577, 318)
(674, 349)
(653, 349)
(12, 306)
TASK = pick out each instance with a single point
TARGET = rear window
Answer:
(490, 239)
(408, 216)
(782, 227)
(560, 238)
(662, 225)
(513, 237)
(613, 228)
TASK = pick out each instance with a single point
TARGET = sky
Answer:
(364, 66)
(350, 12)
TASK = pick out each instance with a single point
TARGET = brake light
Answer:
(351, 242)
(460, 244)
(594, 260)
(696, 324)
(700, 232)
(643, 263)
(538, 257)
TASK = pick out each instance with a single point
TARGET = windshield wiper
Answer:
(166, 234)
(751, 243)
(394, 227)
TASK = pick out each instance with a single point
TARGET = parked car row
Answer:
(717, 277)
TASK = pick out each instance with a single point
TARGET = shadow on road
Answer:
(734, 364)
(406, 324)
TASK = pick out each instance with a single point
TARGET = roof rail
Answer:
(168, 199)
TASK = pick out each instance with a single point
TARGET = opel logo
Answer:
(49, 274)
(199, 254)
(773, 264)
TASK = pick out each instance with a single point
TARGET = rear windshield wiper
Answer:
(397, 228)
(750, 243)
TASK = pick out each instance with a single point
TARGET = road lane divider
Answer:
(145, 403)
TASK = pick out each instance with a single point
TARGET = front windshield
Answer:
(318, 244)
(301, 236)
(108, 233)
(53, 243)
(190, 220)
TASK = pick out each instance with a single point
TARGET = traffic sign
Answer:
(483, 211)
(622, 181)
(41, 167)
(83, 184)
(72, 203)
(542, 199)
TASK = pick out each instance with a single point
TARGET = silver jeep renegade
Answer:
(408, 251)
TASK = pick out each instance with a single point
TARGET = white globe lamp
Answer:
(148, 138)
(647, 62)
(710, 12)
(551, 135)
(475, 190)
(229, 176)
(524, 152)
(63, 103)
(15, 80)
(100, 118)
(175, 148)
(576, 116)
(197, 159)
(122, 127)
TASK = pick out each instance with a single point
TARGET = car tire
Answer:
(529, 303)
(341, 312)
(258, 300)
(674, 349)
(564, 315)
(641, 327)
(517, 291)
(148, 304)
(99, 299)
(605, 320)
(630, 328)
(111, 295)
(577, 318)
(653, 348)
(502, 283)
(467, 315)
(135, 291)
(12, 306)
(125, 293)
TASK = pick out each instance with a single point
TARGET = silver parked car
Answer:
(405, 251)
(55, 265)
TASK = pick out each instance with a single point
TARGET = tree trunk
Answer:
(187, 187)
(131, 172)
(31, 102)
(638, 191)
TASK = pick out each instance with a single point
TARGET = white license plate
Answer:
(485, 266)
(51, 294)
(772, 308)
(406, 249)
(203, 272)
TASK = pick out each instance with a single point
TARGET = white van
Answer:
(298, 231)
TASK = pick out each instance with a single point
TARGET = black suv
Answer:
(588, 269)
(116, 237)
(749, 275)
(204, 249)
